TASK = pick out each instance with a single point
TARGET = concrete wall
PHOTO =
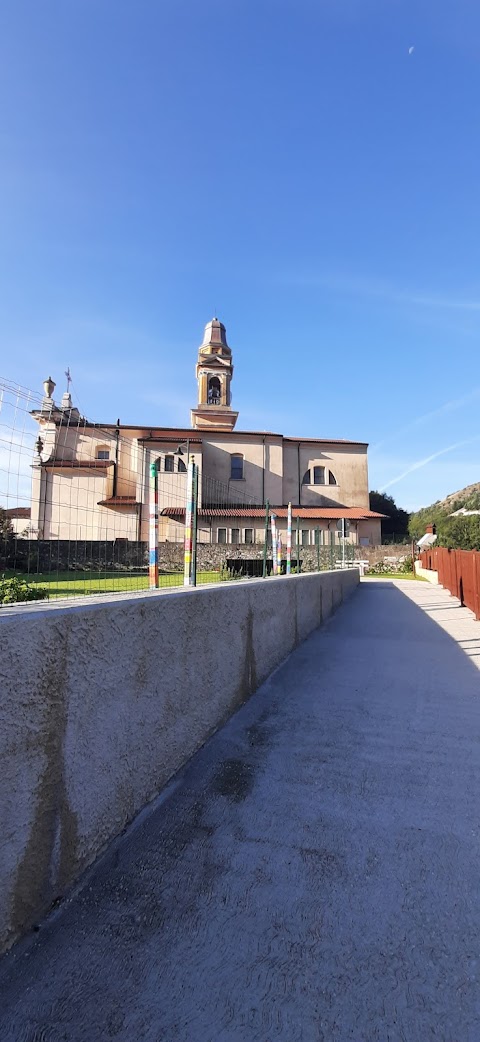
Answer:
(425, 573)
(102, 702)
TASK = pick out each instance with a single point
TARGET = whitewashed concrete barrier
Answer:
(425, 573)
(102, 701)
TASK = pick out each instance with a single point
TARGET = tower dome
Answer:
(215, 338)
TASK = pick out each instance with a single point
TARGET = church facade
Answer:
(91, 480)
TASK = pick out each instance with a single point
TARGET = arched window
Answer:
(236, 467)
(181, 466)
(214, 391)
(319, 475)
(306, 478)
(102, 452)
(331, 478)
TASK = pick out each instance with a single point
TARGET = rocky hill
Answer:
(468, 497)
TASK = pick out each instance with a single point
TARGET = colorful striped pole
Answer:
(153, 527)
(289, 539)
(274, 543)
(279, 554)
(194, 524)
(187, 556)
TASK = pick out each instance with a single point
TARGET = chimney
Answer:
(431, 530)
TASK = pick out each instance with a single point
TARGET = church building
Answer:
(91, 480)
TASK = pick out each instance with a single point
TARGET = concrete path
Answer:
(314, 874)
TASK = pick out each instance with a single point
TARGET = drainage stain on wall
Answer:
(49, 856)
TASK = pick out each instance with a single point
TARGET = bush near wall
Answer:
(14, 590)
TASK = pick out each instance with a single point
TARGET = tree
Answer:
(460, 533)
(396, 522)
(433, 515)
(6, 527)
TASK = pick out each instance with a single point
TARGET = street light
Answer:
(179, 450)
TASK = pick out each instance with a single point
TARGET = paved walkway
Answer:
(314, 874)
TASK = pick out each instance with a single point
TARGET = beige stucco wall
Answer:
(371, 530)
(102, 702)
(349, 465)
(69, 507)
(256, 483)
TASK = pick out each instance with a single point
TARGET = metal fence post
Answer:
(267, 511)
(317, 543)
(299, 567)
(289, 539)
(153, 527)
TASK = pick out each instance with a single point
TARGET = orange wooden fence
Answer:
(458, 571)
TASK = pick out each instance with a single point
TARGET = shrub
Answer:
(14, 590)
(406, 565)
(381, 567)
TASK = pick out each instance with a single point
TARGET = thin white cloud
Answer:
(381, 289)
(434, 414)
(428, 459)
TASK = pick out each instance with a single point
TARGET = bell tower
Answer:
(214, 375)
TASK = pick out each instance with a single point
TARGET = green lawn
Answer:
(395, 575)
(68, 584)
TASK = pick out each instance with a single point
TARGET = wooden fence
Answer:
(458, 571)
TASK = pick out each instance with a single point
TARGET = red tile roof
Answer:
(77, 464)
(18, 512)
(308, 513)
(119, 501)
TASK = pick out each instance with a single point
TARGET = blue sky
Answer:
(286, 164)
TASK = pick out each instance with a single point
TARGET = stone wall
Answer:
(61, 555)
(101, 702)
(122, 554)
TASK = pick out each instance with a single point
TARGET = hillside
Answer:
(459, 532)
(468, 497)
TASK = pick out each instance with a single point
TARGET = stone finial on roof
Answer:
(47, 402)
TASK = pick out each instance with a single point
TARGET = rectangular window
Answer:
(319, 475)
(236, 472)
(221, 535)
(235, 535)
(249, 535)
(169, 464)
(103, 454)
(305, 534)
